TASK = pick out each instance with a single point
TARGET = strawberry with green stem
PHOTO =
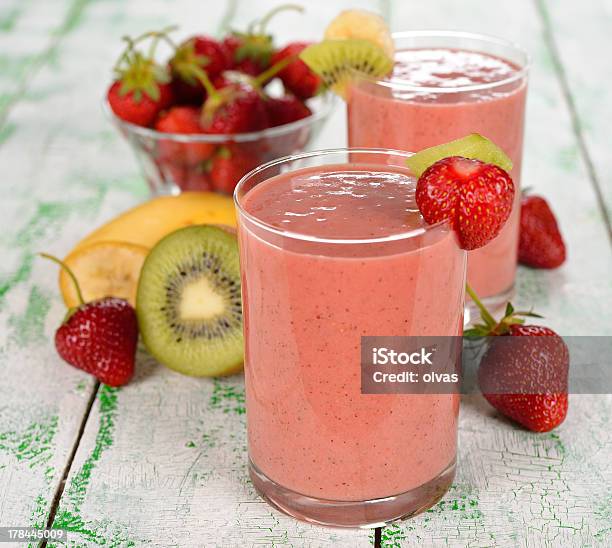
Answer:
(524, 370)
(141, 89)
(203, 53)
(251, 51)
(99, 337)
(297, 77)
(237, 107)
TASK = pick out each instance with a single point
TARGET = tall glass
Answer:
(401, 113)
(332, 249)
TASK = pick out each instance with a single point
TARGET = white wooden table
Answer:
(161, 462)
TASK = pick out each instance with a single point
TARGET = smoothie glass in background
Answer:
(446, 85)
(333, 248)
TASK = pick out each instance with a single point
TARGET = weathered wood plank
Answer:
(163, 460)
(512, 487)
(580, 34)
(42, 402)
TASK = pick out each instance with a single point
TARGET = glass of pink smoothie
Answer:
(444, 86)
(333, 248)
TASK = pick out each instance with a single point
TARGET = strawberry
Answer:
(251, 51)
(286, 109)
(524, 371)
(540, 243)
(99, 337)
(186, 178)
(248, 55)
(141, 88)
(296, 76)
(182, 120)
(475, 197)
(199, 52)
(229, 165)
(234, 109)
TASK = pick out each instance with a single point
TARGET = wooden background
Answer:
(161, 462)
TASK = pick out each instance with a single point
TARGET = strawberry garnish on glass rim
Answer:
(465, 182)
(524, 370)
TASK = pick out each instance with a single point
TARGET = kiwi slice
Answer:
(474, 146)
(188, 302)
(338, 62)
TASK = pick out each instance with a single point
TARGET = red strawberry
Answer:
(540, 244)
(234, 109)
(99, 337)
(184, 120)
(286, 109)
(229, 165)
(202, 53)
(187, 178)
(297, 77)
(475, 197)
(248, 55)
(141, 89)
(524, 371)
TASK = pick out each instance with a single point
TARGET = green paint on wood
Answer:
(558, 443)
(75, 494)
(9, 18)
(568, 159)
(73, 18)
(461, 502)
(44, 223)
(603, 511)
(39, 514)
(32, 446)
(15, 67)
(392, 536)
(80, 387)
(98, 533)
(6, 131)
(28, 328)
(228, 397)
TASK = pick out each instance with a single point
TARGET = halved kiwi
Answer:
(474, 146)
(338, 62)
(189, 304)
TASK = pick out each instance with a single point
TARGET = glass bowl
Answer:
(172, 163)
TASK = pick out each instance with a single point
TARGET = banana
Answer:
(103, 269)
(362, 25)
(149, 222)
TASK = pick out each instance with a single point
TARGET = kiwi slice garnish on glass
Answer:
(189, 304)
(338, 62)
(474, 146)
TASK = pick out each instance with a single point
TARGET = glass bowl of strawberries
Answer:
(215, 109)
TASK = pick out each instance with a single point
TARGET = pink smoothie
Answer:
(412, 119)
(306, 306)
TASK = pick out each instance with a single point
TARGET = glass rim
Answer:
(317, 239)
(404, 85)
(328, 102)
